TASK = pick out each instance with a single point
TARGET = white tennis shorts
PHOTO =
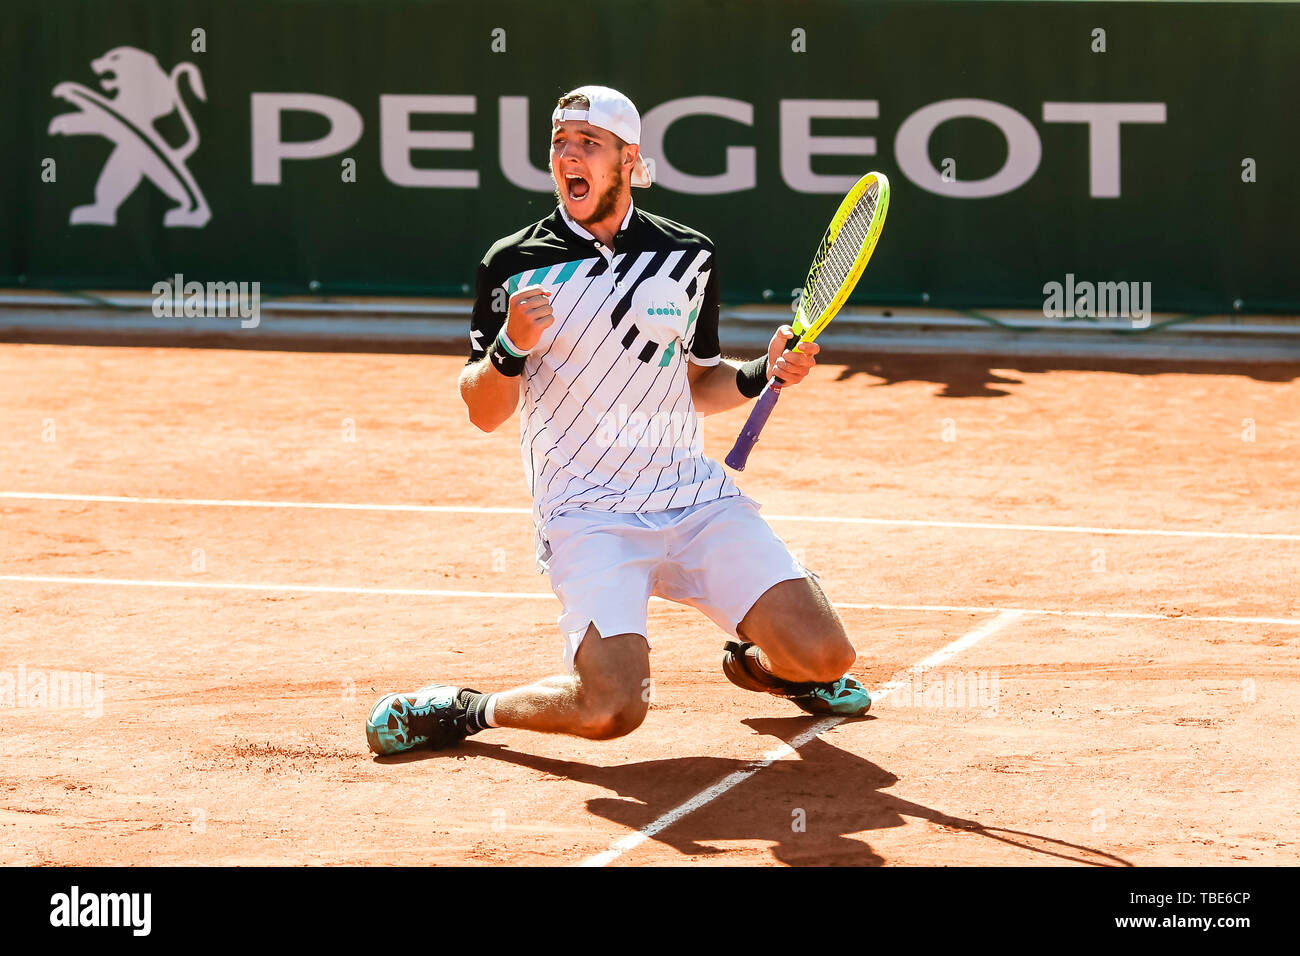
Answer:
(719, 557)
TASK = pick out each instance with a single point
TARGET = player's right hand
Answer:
(530, 315)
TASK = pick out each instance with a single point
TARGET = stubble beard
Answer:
(605, 205)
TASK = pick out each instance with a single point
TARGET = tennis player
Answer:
(602, 319)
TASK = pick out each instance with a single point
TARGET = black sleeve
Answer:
(703, 342)
(490, 305)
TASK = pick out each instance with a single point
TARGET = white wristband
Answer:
(510, 347)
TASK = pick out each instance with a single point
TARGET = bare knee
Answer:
(830, 658)
(808, 650)
(800, 633)
(608, 715)
(821, 658)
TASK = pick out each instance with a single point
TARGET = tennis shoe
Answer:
(432, 717)
(845, 697)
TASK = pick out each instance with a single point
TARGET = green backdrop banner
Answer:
(382, 145)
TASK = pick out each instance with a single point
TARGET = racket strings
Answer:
(839, 254)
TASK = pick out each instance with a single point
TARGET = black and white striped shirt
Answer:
(607, 422)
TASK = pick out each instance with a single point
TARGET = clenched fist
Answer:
(530, 315)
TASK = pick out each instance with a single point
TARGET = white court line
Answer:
(633, 840)
(546, 596)
(820, 519)
(1056, 612)
(1057, 528)
(237, 503)
(306, 588)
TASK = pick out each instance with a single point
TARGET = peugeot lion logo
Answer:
(144, 94)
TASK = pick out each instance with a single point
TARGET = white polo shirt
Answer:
(607, 422)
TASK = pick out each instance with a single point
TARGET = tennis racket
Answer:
(835, 270)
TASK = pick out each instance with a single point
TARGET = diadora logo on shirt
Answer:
(662, 313)
(660, 309)
(657, 309)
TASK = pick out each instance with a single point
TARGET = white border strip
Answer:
(820, 519)
(546, 596)
(633, 840)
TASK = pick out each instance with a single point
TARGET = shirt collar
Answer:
(580, 231)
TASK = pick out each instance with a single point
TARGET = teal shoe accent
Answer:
(845, 697)
(430, 717)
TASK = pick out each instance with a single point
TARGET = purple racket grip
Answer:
(753, 427)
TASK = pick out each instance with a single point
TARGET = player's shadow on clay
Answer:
(974, 376)
(817, 809)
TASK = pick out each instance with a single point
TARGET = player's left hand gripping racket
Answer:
(835, 270)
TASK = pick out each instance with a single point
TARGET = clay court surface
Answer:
(1128, 698)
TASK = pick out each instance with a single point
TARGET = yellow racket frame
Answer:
(809, 330)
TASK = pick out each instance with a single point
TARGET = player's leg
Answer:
(791, 641)
(601, 568)
(793, 644)
(799, 633)
(606, 696)
(786, 634)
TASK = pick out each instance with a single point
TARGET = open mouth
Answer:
(578, 187)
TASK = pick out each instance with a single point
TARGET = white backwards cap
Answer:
(610, 110)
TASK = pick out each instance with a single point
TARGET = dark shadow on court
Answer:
(973, 376)
(813, 809)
